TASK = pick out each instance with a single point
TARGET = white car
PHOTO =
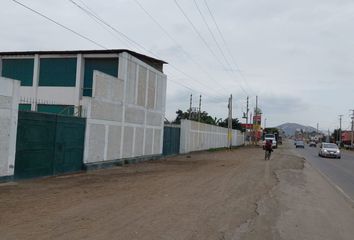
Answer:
(270, 137)
(300, 144)
(329, 150)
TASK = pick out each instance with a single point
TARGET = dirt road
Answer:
(209, 195)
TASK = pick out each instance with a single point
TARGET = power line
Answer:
(203, 40)
(225, 43)
(86, 38)
(197, 32)
(219, 31)
(79, 34)
(101, 24)
(94, 15)
(214, 39)
(173, 39)
(182, 84)
(156, 22)
(211, 33)
(59, 24)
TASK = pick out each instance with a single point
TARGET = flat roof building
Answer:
(55, 81)
(121, 94)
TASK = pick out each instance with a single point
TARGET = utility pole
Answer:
(200, 106)
(265, 122)
(317, 128)
(256, 106)
(251, 129)
(340, 130)
(247, 109)
(352, 138)
(255, 125)
(229, 124)
(190, 107)
(352, 131)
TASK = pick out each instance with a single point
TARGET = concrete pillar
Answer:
(145, 112)
(35, 81)
(9, 100)
(185, 136)
(105, 151)
(79, 83)
(0, 66)
(164, 86)
(123, 74)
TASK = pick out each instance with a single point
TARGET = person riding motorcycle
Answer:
(268, 145)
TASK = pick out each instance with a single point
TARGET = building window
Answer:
(57, 72)
(24, 107)
(19, 69)
(105, 65)
(67, 110)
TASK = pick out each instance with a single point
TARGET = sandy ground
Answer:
(208, 195)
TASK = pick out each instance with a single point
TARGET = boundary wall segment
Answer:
(9, 100)
(125, 115)
(197, 136)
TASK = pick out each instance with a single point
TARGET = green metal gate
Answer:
(48, 144)
(171, 139)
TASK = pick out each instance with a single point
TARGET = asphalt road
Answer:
(339, 171)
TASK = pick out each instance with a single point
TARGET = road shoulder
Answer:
(303, 205)
(311, 208)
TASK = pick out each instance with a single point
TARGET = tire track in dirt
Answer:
(206, 196)
(267, 207)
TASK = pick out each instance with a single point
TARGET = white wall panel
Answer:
(114, 142)
(132, 109)
(96, 143)
(197, 136)
(56, 95)
(9, 100)
(128, 142)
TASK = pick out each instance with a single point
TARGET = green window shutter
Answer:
(19, 69)
(24, 107)
(105, 65)
(56, 109)
(57, 72)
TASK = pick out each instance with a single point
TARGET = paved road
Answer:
(339, 171)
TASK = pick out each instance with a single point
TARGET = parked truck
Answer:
(275, 131)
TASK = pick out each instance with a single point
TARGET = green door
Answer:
(69, 144)
(35, 145)
(171, 140)
(48, 144)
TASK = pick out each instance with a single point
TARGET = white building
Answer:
(122, 93)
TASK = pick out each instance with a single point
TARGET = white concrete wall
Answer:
(197, 136)
(9, 99)
(57, 95)
(125, 114)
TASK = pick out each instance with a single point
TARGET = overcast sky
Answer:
(297, 56)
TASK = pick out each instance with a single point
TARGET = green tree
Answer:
(180, 115)
(204, 117)
(335, 135)
(271, 130)
(235, 124)
(258, 111)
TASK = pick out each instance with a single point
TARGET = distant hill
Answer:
(290, 128)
